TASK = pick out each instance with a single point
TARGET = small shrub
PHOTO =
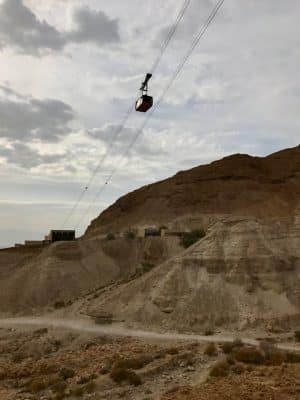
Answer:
(133, 378)
(66, 373)
(220, 369)
(230, 359)
(172, 351)
(59, 304)
(292, 358)
(130, 234)
(120, 375)
(132, 363)
(209, 332)
(59, 387)
(297, 336)
(89, 387)
(37, 385)
(229, 347)
(238, 368)
(143, 268)
(110, 236)
(190, 238)
(250, 355)
(211, 350)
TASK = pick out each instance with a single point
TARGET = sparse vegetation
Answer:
(172, 351)
(297, 336)
(132, 363)
(220, 369)
(120, 375)
(229, 347)
(190, 238)
(143, 268)
(211, 350)
(110, 236)
(59, 304)
(66, 373)
(250, 355)
(209, 331)
(130, 234)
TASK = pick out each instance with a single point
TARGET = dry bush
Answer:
(67, 373)
(133, 363)
(80, 391)
(172, 351)
(238, 368)
(39, 384)
(229, 347)
(211, 350)
(297, 336)
(220, 369)
(250, 355)
(120, 375)
(292, 358)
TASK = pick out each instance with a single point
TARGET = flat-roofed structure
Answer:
(61, 236)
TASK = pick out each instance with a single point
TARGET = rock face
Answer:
(244, 274)
(35, 280)
(236, 185)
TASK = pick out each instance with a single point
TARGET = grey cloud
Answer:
(28, 118)
(20, 28)
(94, 27)
(23, 156)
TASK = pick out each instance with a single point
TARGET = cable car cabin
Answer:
(144, 103)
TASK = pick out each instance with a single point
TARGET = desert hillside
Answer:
(244, 274)
(236, 185)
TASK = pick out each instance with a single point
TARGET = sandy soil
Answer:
(44, 359)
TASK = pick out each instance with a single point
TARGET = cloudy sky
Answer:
(69, 71)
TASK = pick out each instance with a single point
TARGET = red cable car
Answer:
(145, 102)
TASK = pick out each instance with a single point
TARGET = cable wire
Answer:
(170, 35)
(120, 128)
(175, 75)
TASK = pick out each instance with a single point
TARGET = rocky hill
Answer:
(244, 274)
(236, 185)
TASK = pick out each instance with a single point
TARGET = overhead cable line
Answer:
(120, 128)
(175, 75)
(170, 35)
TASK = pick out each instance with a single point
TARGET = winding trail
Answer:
(85, 325)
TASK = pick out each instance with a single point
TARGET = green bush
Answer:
(297, 336)
(130, 234)
(143, 268)
(190, 238)
(110, 236)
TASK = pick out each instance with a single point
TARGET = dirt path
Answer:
(85, 325)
